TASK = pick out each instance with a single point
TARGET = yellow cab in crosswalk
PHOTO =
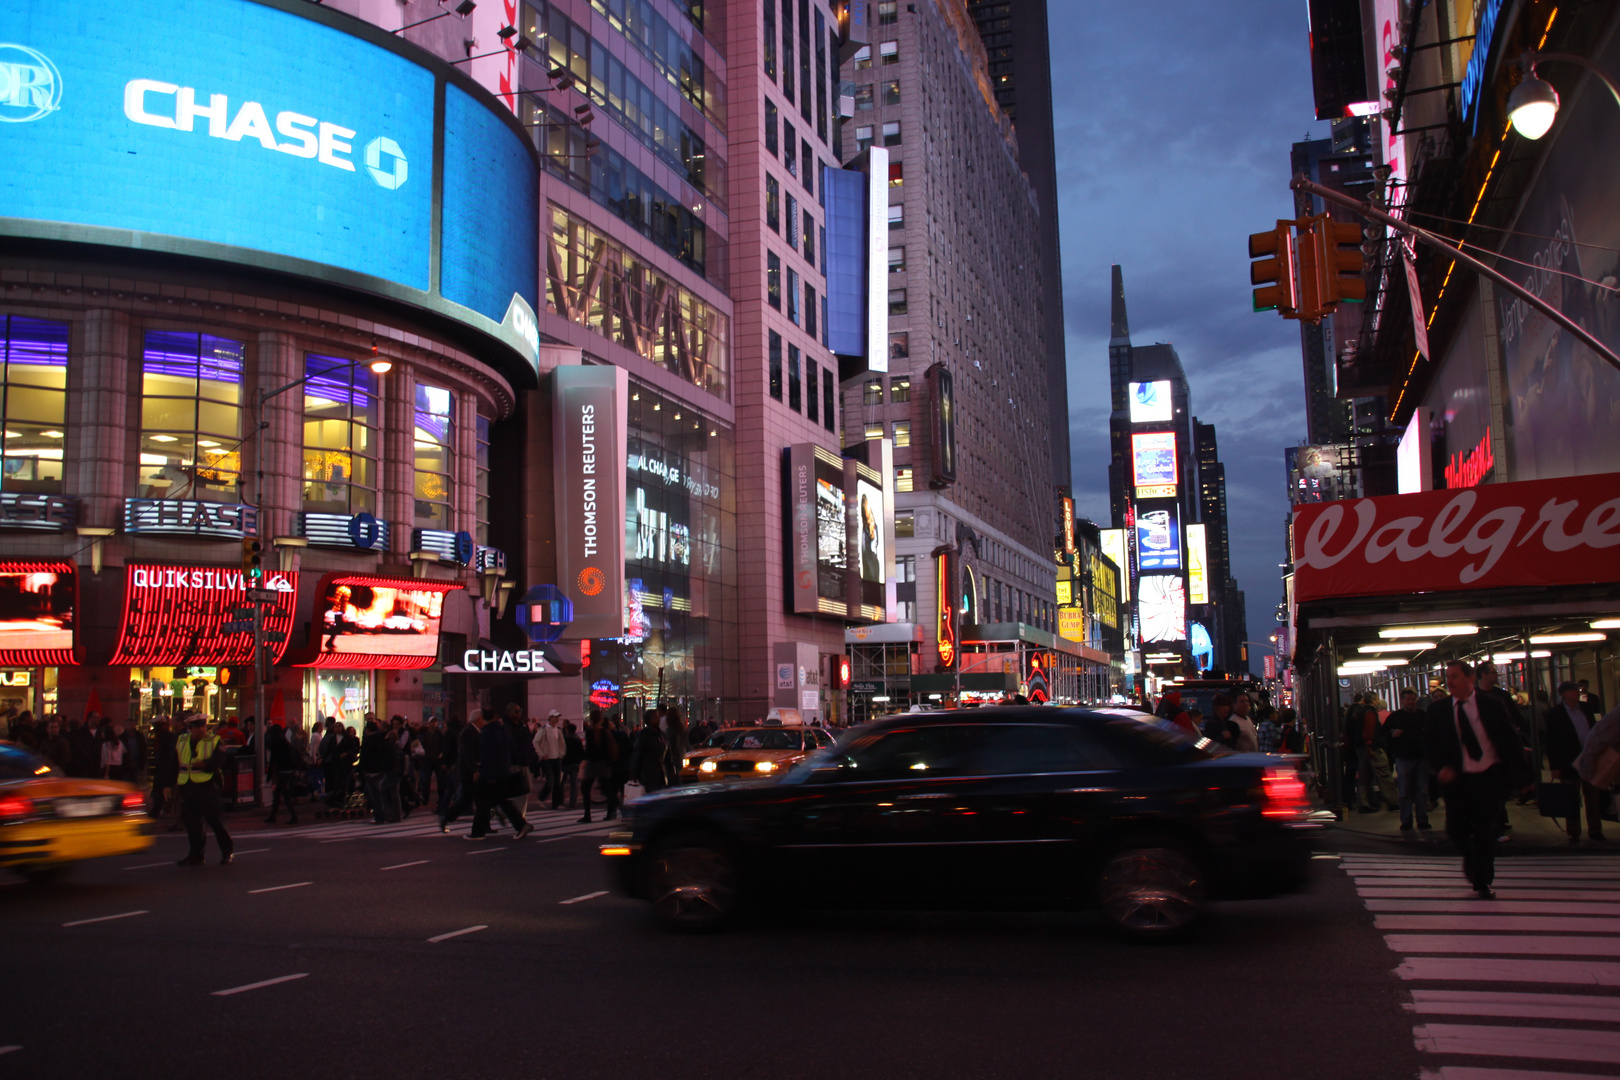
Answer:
(49, 821)
(758, 753)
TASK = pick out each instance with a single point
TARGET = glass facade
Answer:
(433, 435)
(340, 436)
(33, 403)
(191, 417)
(596, 283)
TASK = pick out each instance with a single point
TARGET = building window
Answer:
(790, 148)
(900, 349)
(888, 13)
(795, 386)
(902, 479)
(891, 92)
(793, 296)
(770, 39)
(787, 50)
(828, 395)
(891, 133)
(792, 222)
(897, 301)
(863, 138)
(33, 402)
(897, 216)
(776, 365)
(809, 157)
(773, 280)
(899, 389)
(863, 98)
(890, 52)
(481, 509)
(875, 430)
(340, 436)
(770, 125)
(902, 433)
(191, 417)
(434, 439)
(872, 392)
(905, 525)
(863, 58)
(810, 311)
(897, 259)
(809, 238)
(773, 204)
(812, 397)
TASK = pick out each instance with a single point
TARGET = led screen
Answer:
(377, 619)
(1154, 455)
(1113, 546)
(832, 539)
(242, 132)
(1161, 607)
(869, 518)
(1158, 537)
(1197, 564)
(36, 606)
(1150, 402)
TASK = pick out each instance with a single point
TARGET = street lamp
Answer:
(378, 366)
(1533, 105)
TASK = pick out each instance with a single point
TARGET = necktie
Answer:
(1465, 731)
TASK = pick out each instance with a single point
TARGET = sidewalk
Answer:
(1530, 831)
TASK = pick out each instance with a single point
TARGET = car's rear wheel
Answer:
(694, 882)
(1151, 889)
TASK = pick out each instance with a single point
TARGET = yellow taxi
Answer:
(49, 821)
(759, 752)
(718, 743)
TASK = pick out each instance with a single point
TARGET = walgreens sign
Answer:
(1540, 532)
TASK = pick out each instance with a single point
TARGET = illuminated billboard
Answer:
(589, 410)
(1197, 564)
(818, 530)
(1153, 456)
(1150, 403)
(363, 621)
(38, 607)
(1113, 546)
(285, 137)
(1161, 607)
(173, 615)
(1158, 537)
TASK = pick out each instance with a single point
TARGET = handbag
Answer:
(1556, 799)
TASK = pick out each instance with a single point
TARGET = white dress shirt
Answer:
(1470, 709)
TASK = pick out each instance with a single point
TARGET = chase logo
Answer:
(30, 85)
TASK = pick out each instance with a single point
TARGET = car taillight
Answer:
(134, 801)
(15, 808)
(1284, 793)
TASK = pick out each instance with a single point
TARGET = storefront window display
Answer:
(157, 692)
(344, 696)
(680, 564)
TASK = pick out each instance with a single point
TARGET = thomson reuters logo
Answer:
(30, 85)
(591, 581)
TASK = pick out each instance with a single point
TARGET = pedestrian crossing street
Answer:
(1523, 987)
(548, 825)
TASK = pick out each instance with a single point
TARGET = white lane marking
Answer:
(1601, 878)
(147, 865)
(1460, 892)
(485, 851)
(1524, 923)
(458, 933)
(1499, 906)
(340, 840)
(278, 888)
(252, 851)
(9, 1049)
(1569, 1007)
(587, 896)
(403, 865)
(260, 985)
(1503, 944)
(572, 836)
(1469, 969)
(1557, 1044)
(106, 918)
(1324, 856)
(1469, 1072)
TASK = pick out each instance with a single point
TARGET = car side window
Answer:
(1023, 749)
(910, 753)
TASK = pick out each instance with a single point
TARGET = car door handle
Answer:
(929, 795)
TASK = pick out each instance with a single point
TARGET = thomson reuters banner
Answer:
(1564, 531)
(589, 414)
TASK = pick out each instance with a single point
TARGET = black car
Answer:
(1017, 807)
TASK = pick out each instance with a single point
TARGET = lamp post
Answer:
(1533, 105)
(261, 670)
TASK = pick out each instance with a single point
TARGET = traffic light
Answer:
(1274, 270)
(1340, 270)
(842, 663)
(252, 559)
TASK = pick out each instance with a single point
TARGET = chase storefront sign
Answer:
(190, 517)
(590, 407)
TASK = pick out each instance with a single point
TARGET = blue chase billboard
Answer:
(273, 134)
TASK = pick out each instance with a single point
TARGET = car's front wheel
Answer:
(1151, 889)
(694, 882)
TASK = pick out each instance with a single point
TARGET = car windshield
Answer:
(767, 740)
(722, 740)
(17, 763)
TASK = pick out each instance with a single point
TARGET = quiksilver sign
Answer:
(589, 446)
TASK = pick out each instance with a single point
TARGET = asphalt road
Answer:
(561, 981)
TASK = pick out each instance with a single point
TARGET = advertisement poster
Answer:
(832, 554)
(589, 418)
(869, 523)
(1154, 457)
(1158, 537)
(1161, 607)
(371, 619)
(36, 608)
(1197, 564)
(1150, 402)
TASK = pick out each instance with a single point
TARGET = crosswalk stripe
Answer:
(1556, 1044)
(1525, 874)
(1473, 1072)
(1497, 970)
(1459, 892)
(1503, 944)
(1569, 1007)
(1531, 923)
(429, 827)
(1491, 907)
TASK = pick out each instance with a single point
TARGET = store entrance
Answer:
(159, 692)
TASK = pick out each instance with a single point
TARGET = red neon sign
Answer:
(39, 607)
(1467, 471)
(173, 616)
(945, 627)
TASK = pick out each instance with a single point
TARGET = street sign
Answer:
(274, 636)
(238, 627)
(243, 612)
(263, 596)
(865, 688)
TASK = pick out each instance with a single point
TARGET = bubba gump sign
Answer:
(1563, 531)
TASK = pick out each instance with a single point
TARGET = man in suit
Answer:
(1569, 725)
(1473, 750)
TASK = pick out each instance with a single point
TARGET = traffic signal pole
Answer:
(1440, 243)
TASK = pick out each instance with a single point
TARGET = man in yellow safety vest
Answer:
(198, 755)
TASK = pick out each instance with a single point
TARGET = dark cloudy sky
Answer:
(1173, 121)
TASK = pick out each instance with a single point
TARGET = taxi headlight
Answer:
(685, 761)
(764, 766)
(707, 766)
